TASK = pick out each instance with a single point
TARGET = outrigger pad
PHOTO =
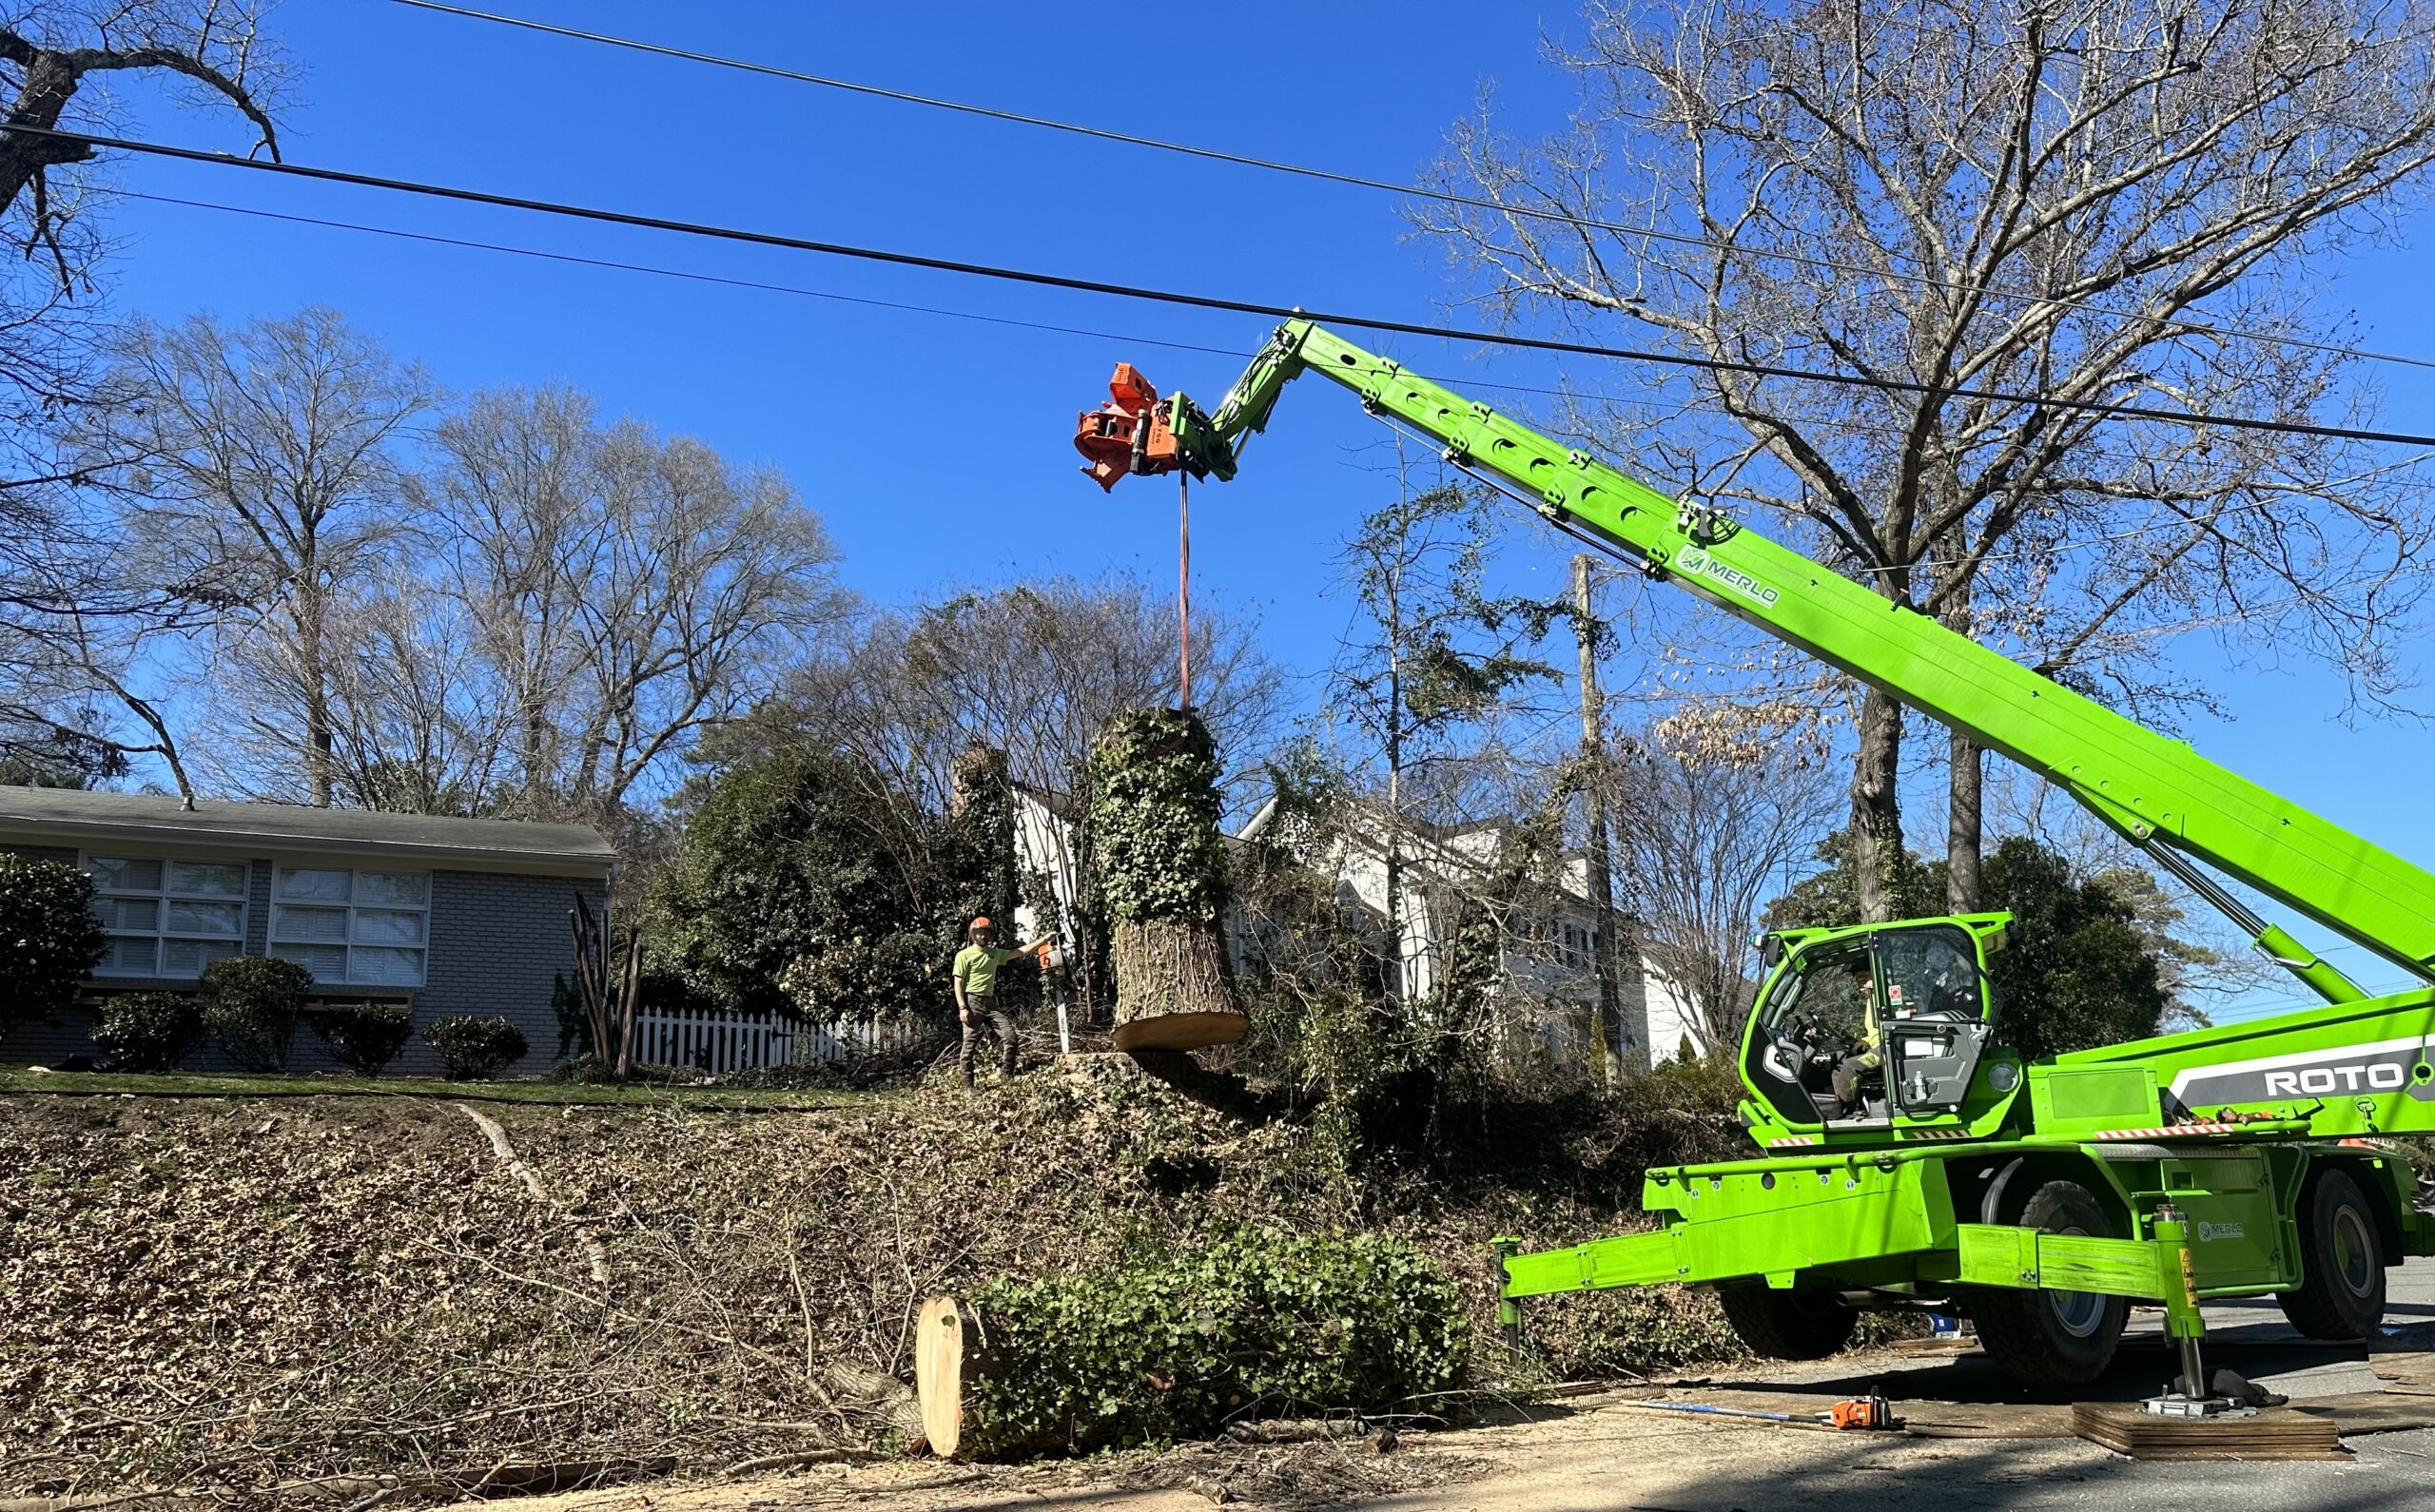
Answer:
(2125, 1428)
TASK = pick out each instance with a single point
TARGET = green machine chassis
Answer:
(2205, 1153)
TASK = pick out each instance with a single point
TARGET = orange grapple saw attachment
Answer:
(1129, 434)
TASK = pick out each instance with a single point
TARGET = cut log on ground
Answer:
(940, 1338)
(1162, 873)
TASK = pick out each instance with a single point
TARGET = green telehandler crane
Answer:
(2041, 1199)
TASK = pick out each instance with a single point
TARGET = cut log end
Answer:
(1185, 1031)
(938, 1373)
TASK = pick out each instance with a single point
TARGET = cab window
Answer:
(1829, 995)
(1930, 973)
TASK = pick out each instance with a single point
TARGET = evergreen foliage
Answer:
(1175, 1346)
(49, 940)
(364, 1037)
(250, 1004)
(2075, 970)
(980, 870)
(788, 892)
(150, 1031)
(1153, 818)
(476, 1049)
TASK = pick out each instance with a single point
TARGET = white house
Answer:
(1549, 966)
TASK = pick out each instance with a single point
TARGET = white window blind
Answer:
(367, 928)
(165, 918)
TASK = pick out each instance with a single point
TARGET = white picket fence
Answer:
(722, 1042)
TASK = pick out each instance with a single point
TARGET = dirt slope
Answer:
(229, 1294)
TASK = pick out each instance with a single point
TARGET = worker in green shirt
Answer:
(976, 996)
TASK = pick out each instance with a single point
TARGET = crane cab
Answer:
(1882, 1029)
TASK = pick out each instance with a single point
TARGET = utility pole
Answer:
(1604, 1023)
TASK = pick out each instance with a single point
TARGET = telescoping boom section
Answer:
(1910, 1158)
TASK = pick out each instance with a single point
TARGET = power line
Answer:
(1389, 187)
(610, 263)
(1841, 427)
(756, 286)
(1878, 428)
(1205, 301)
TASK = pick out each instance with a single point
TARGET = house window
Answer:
(166, 918)
(365, 928)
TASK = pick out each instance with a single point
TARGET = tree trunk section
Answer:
(1153, 820)
(1605, 1031)
(1965, 887)
(1175, 988)
(942, 1339)
(1877, 807)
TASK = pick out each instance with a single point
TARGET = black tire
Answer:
(2342, 1262)
(2054, 1338)
(1789, 1324)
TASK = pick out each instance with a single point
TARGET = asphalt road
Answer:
(1764, 1471)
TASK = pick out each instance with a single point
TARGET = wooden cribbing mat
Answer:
(2276, 1433)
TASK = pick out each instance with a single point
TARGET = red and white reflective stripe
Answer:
(1793, 1139)
(1935, 1133)
(2171, 1132)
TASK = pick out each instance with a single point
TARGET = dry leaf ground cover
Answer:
(234, 1295)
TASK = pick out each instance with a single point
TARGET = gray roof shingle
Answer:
(36, 812)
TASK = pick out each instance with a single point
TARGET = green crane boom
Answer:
(2156, 791)
(2039, 1199)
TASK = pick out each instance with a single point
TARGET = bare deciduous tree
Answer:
(2097, 201)
(1033, 670)
(55, 53)
(267, 482)
(71, 631)
(620, 592)
(1715, 811)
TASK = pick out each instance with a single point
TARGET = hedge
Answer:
(1262, 1323)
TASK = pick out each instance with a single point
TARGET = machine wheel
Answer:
(1789, 1324)
(2341, 1294)
(2054, 1338)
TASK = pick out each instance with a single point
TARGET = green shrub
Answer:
(476, 1049)
(150, 1031)
(1261, 1323)
(250, 1003)
(364, 1037)
(49, 940)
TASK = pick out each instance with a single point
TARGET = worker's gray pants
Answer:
(1848, 1077)
(985, 1011)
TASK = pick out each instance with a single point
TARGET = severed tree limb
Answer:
(507, 1157)
(796, 1459)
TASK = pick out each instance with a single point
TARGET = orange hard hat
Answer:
(983, 923)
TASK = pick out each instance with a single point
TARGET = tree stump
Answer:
(1162, 876)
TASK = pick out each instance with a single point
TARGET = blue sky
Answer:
(938, 450)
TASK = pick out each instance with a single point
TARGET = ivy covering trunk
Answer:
(1162, 876)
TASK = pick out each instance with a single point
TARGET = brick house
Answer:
(451, 916)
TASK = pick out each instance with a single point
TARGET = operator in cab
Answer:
(1866, 1053)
